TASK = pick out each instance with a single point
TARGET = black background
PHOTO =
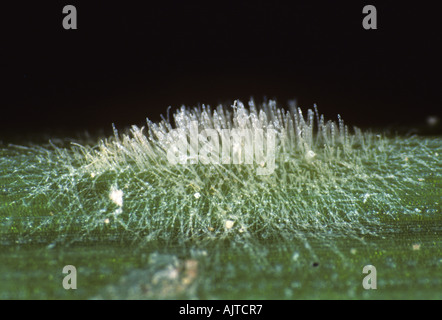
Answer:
(128, 61)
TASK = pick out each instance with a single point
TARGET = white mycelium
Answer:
(327, 179)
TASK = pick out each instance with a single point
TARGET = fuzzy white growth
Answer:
(295, 135)
(326, 180)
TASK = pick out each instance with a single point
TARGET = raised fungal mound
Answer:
(327, 180)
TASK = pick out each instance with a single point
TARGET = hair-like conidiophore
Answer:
(327, 179)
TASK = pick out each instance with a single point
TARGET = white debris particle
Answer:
(197, 195)
(310, 155)
(116, 196)
(416, 246)
(432, 121)
(229, 224)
